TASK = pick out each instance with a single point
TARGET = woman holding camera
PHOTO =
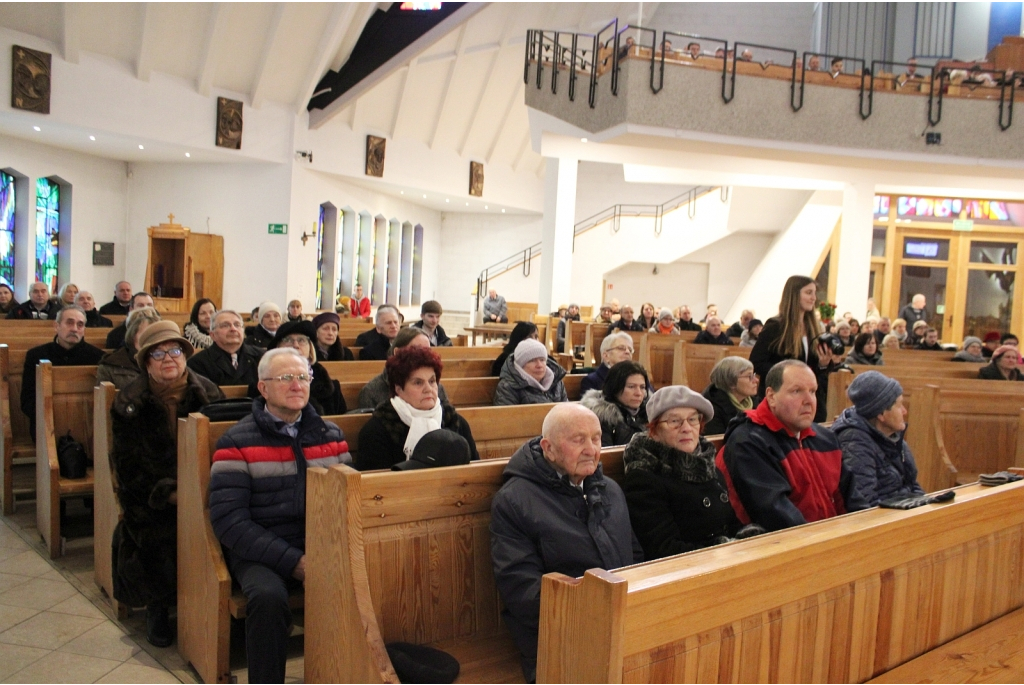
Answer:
(795, 334)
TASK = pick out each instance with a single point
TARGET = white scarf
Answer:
(544, 385)
(419, 421)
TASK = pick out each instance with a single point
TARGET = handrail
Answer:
(614, 213)
(661, 81)
(764, 65)
(863, 69)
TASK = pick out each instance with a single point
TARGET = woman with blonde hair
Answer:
(794, 334)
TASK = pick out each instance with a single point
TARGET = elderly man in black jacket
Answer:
(258, 506)
(374, 344)
(67, 349)
(38, 306)
(228, 361)
(556, 512)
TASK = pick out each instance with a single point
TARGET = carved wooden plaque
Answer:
(229, 123)
(375, 156)
(30, 80)
(476, 179)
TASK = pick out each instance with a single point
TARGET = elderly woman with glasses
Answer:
(324, 393)
(733, 389)
(615, 348)
(677, 498)
(621, 404)
(145, 461)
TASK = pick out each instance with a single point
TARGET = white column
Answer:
(557, 234)
(854, 262)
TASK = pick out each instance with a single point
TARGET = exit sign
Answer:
(277, 229)
(963, 225)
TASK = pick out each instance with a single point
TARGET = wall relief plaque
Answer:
(476, 179)
(30, 80)
(229, 123)
(375, 156)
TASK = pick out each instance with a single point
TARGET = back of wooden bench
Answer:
(839, 600)
(106, 511)
(368, 370)
(463, 392)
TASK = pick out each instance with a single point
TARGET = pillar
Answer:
(854, 260)
(557, 233)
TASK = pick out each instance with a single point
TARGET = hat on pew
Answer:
(872, 393)
(422, 664)
(157, 333)
(439, 447)
(327, 317)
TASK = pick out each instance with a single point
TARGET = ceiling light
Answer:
(487, 206)
(583, 140)
(424, 197)
(503, 211)
(188, 154)
(92, 137)
(37, 128)
(467, 204)
(447, 200)
(401, 192)
(141, 148)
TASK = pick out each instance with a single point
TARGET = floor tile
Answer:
(27, 563)
(14, 658)
(9, 552)
(12, 616)
(11, 540)
(106, 641)
(38, 594)
(61, 667)
(10, 580)
(78, 605)
(137, 673)
(48, 630)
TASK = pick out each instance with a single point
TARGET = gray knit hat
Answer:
(872, 393)
(528, 350)
(673, 396)
(665, 313)
(971, 340)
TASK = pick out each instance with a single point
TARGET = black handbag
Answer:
(72, 459)
(231, 409)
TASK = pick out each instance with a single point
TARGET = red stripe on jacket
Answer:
(280, 453)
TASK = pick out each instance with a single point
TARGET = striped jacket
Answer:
(258, 484)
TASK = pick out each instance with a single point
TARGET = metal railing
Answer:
(594, 55)
(615, 213)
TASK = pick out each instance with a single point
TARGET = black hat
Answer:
(303, 327)
(437, 448)
(420, 664)
(754, 322)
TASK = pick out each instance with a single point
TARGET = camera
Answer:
(835, 345)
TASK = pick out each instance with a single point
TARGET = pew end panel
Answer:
(106, 511)
(6, 433)
(841, 600)
(204, 584)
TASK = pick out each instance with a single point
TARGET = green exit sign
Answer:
(277, 229)
(963, 225)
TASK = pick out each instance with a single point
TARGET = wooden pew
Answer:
(6, 432)
(841, 600)
(663, 357)
(63, 401)
(701, 359)
(205, 599)
(464, 392)
(106, 511)
(365, 371)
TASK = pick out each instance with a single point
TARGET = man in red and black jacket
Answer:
(782, 469)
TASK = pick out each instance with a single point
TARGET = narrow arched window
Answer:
(47, 231)
(7, 228)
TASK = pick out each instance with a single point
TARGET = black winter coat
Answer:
(881, 468)
(991, 373)
(725, 410)
(116, 336)
(705, 338)
(618, 424)
(512, 388)
(93, 319)
(27, 310)
(335, 353)
(764, 356)
(82, 354)
(215, 364)
(621, 325)
(145, 461)
(374, 345)
(382, 438)
(116, 308)
(678, 502)
(541, 524)
(688, 325)
(259, 337)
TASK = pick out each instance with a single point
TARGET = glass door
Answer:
(989, 296)
(924, 269)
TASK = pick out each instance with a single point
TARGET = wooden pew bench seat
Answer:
(79, 487)
(993, 653)
(238, 602)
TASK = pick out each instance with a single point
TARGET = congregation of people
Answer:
(778, 465)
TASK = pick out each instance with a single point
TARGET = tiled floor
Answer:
(53, 627)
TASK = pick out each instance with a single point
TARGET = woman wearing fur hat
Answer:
(261, 334)
(620, 404)
(677, 498)
(530, 377)
(145, 461)
(1003, 366)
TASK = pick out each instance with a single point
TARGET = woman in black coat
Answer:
(621, 404)
(733, 389)
(328, 346)
(324, 392)
(391, 434)
(145, 462)
(522, 331)
(793, 334)
(678, 500)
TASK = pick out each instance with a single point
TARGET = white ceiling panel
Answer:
(41, 19)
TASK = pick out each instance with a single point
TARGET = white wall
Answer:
(599, 186)
(236, 201)
(673, 285)
(98, 212)
(784, 24)
(731, 263)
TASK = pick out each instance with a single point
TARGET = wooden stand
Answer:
(183, 267)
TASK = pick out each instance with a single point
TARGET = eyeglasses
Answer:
(158, 355)
(303, 378)
(621, 348)
(748, 376)
(676, 424)
(231, 324)
(300, 340)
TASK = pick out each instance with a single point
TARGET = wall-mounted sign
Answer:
(963, 224)
(277, 229)
(103, 254)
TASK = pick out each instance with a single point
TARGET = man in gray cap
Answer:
(871, 434)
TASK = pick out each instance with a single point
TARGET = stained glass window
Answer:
(47, 231)
(952, 208)
(6, 228)
(320, 259)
